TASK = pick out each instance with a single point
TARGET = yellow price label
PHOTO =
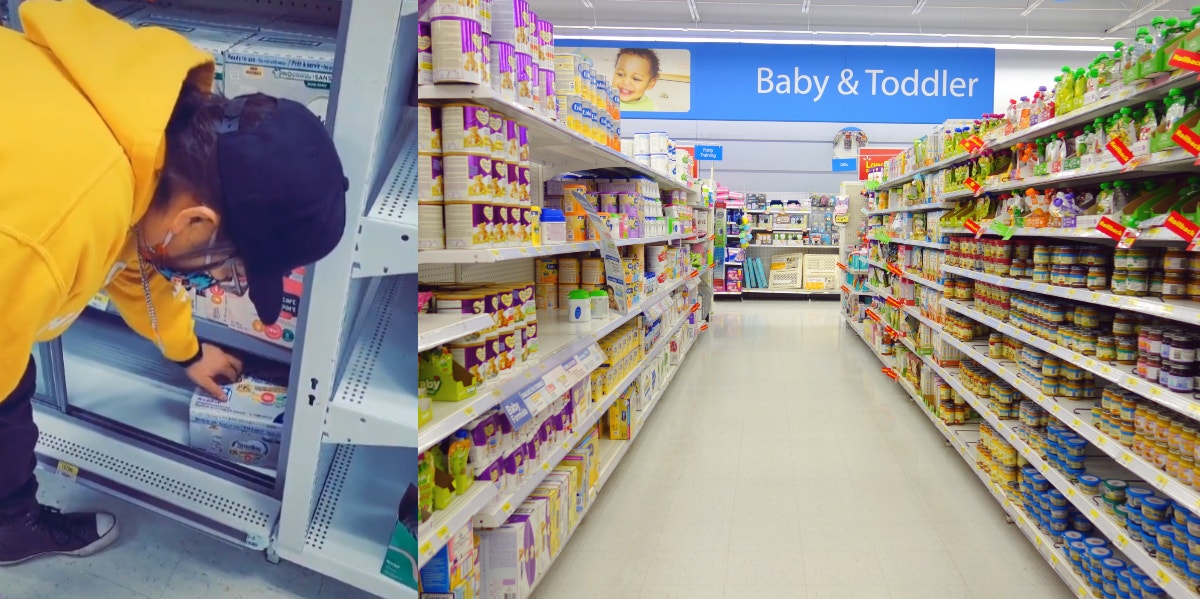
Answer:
(1082, 592)
(1094, 514)
(1095, 296)
(1070, 491)
(1053, 558)
(506, 508)
(1126, 457)
(427, 547)
(469, 411)
(496, 253)
(1169, 309)
(1101, 440)
(1163, 577)
(1054, 409)
(1071, 293)
(1155, 391)
(1161, 480)
(1105, 370)
(1122, 541)
(1131, 382)
(545, 465)
(67, 470)
(524, 251)
(1037, 541)
(1076, 421)
(443, 533)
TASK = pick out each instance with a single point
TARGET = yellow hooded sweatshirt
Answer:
(83, 113)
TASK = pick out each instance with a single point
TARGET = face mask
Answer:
(199, 280)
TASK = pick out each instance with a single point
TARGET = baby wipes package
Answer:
(214, 39)
(246, 427)
(292, 66)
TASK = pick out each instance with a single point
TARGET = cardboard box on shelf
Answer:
(246, 427)
(212, 38)
(238, 313)
(296, 67)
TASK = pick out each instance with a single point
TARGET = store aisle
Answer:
(782, 463)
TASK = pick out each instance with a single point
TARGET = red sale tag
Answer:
(893, 302)
(1185, 59)
(842, 266)
(845, 289)
(1120, 151)
(1111, 228)
(1181, 226)
(971, 226)
(892, 268)
(872, 315)
(1187, 139)
(974, 186)
(972, 144)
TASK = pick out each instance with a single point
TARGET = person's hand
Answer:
(214, 367)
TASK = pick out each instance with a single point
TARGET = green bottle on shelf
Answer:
(1176, 108)
(1081, 85)
(1066, 94)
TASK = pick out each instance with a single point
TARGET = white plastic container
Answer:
(579, 306)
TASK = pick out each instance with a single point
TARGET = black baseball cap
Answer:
(284, 196)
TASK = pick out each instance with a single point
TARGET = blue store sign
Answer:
(780, 82)
(715, 153)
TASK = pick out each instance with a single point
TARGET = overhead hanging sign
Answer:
(793, 82)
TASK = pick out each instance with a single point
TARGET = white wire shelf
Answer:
(1181, 310)
(355, 514)
(376, 400)
(914, 208)
(1117, 374)
(467, 256)
(387, 235)
(923, 281)
(1155, 234)
(921, 243)
(915, 312)
(1068, 412)
(438, 329)
(434, 534)
(550, 141)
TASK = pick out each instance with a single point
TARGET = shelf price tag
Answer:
(882, 237)
(1160, 481)
(443, 533)
(842, 266)
(1120, 150)
(972, 226)
(1162, 577)
(1004, 230)
(972, 144)
(1123, 235)
(974, 186)
(1186, 60)
(845, 289)
(67, 470)
(893, 302)
(892, 268)
(1181, 226)
(891, 373)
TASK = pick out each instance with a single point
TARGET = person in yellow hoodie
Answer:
(121, 171)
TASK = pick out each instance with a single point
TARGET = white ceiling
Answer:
(991, 22)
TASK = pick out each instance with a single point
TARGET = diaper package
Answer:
(292, 66)
(245, 428)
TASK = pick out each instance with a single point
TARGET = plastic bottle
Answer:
(1099, 137)
(1123, 127)
(1081, 86)
(1103, 203)
(1176, 107)
(1066, 93)
(579, 306)
(1058, 90)
(1149, 122)
(458, 455)
(1142, 47)
(1122, 193)
(1023, 112)
(554, 227)
(599, 299)
(1010, 113)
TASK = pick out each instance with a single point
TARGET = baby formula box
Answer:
(245, 427)
(567, 68)
(296, 67)
(214, 39)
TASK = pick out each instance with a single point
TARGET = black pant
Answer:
(18, 438)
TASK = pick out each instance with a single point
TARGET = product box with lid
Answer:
(296, 67)
(214, 39)
(245, 428)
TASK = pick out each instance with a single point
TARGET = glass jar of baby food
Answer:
(1174, 286)
(1120, 278)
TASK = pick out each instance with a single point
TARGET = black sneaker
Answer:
(44, 530)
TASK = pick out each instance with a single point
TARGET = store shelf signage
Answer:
(1187, 139)
(799, 82)
(714, 153)
(1183, 227)
(1185, 59)
(614, 273)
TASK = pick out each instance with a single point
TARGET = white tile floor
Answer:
(158, 558)
(782, 463)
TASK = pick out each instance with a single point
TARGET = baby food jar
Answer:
(1155, 509)
(1175, 261)
(1041, 255)
(1106, 347)
(1041, 274)
(1127, 350)
(1097, 278)
(1120, 278)
(1174, 286)
(1089, 484)
(1193, 287)
(1137, 283)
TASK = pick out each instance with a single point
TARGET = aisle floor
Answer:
(782, 463)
